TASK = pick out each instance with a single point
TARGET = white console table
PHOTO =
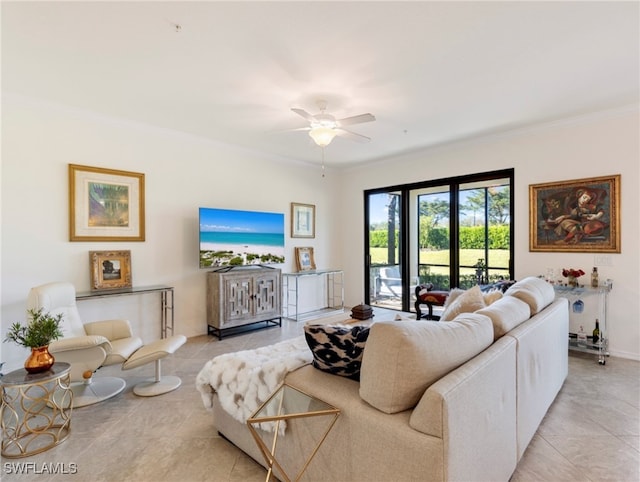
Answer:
(330, 280)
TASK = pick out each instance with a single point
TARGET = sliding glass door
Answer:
(452, 233)
(434, 236)
(484, 232)
(384, 251)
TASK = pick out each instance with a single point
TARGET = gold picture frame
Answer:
(305, 260)
(303, 220)
(581, 215)
(110, 270)
(105, 204)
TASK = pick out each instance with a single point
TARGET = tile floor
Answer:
(591, 432)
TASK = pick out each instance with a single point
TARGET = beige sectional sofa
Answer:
(457, 400)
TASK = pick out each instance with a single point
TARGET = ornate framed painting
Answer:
(581, 215)
(303, 220)
(110, 270)
(105, 204)
(305, 260)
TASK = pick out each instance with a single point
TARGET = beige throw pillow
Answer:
(453, 295)
(467, 302)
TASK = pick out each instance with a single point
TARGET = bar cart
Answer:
(575, 295)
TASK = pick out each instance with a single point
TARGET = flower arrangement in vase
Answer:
(572, 276)
(41, 330)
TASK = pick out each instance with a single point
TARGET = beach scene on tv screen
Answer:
(238, 238)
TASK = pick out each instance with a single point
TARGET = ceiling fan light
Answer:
(322, 135)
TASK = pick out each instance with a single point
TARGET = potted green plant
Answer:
(41, 330)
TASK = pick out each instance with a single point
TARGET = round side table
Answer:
(32, 420)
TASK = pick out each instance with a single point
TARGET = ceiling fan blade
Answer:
(352, 136)
(356, 119)
(305, 114)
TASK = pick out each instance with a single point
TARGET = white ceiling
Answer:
(431, 72)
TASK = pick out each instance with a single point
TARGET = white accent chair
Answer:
(89, 346)
(390, 283)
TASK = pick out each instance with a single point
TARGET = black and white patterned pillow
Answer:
(337, 349)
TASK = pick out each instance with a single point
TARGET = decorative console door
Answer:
(267, 295)
(241, 297)
(238, 294)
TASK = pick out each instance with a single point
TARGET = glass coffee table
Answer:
(277, 417)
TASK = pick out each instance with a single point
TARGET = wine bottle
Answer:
(594, 277)
(596, 332)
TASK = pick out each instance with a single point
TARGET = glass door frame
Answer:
(406, 244)
(403, 242)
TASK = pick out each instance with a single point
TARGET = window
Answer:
(454, 232)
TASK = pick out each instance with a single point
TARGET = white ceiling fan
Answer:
(324, 127)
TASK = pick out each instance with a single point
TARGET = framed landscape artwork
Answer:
(303, 220)
(581, 215)
(110, 270)
(105, 204)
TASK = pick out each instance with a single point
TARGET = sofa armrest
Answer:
(473, 411)
(110, 329)
(79, 343)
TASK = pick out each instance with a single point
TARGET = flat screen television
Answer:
(230, 238)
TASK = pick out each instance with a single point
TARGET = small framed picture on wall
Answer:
(303, 220)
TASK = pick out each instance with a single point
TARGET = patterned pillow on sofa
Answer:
(337, 349)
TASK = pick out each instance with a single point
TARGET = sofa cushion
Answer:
(535, 292)
(402, 359)
(337, 349)
(506, 313)
(466, 302)
(492, 296)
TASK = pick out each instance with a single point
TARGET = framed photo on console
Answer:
(305, 260)
(110, 270)
(303, 220)
(105, 204)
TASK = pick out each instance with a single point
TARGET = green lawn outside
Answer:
(499, 257)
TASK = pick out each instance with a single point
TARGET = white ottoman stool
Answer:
(155, 351)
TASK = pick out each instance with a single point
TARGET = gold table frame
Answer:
(30, 413)
(285, 405)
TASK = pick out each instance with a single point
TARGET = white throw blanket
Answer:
(243, 380)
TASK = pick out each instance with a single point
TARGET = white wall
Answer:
(181, 172)
(602, 144)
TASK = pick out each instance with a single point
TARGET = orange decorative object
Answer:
(40, 360)
(436, 297)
